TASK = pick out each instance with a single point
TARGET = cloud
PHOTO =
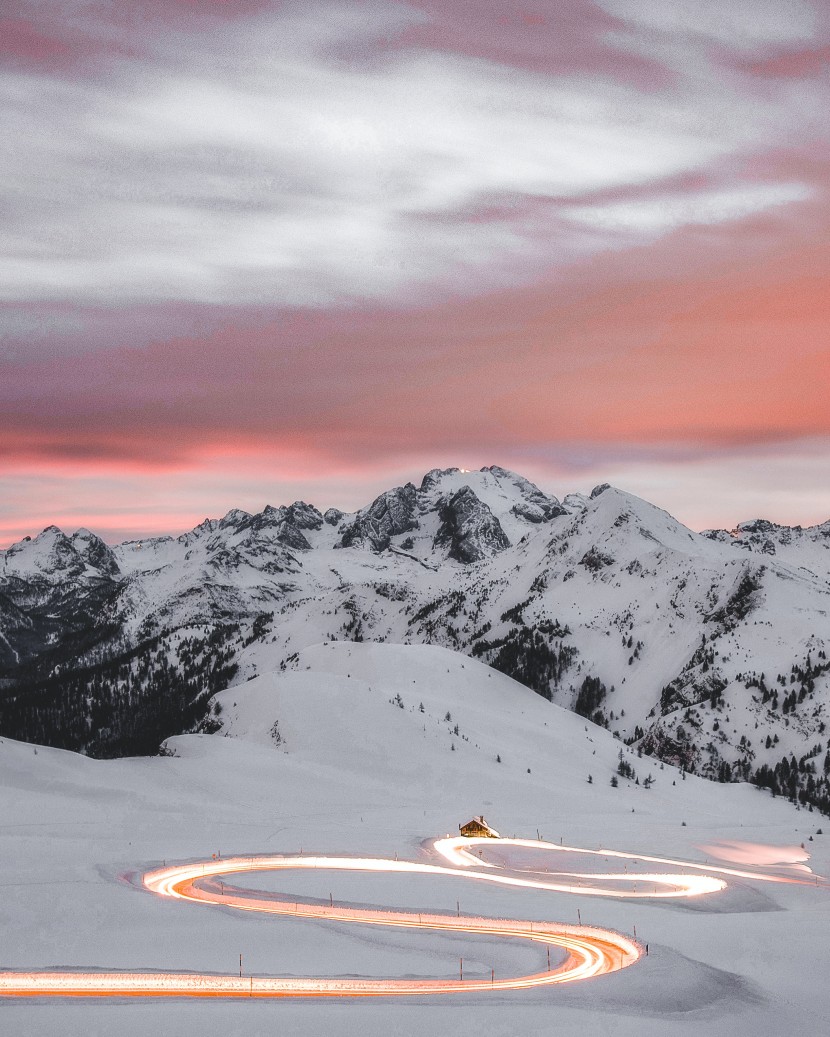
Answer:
(798, 64)
(659, 213)
(743, 25)
(246, 162)
(367, 238)
(705, 340)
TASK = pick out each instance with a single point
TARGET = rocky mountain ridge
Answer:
(705, 649)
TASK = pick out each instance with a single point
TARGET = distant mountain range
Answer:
(703, 649)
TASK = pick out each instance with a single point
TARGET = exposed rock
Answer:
(95, 552)
(718, 535)
(533, 505)
(595, 560)
(575, 502)
(205, 528)
(538, 511)
(469, 528)
(234, 519)
(393, 512)
(279, 525)
(304, 516)
(434, 476)
(290, 536)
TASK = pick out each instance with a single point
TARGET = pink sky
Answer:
(258, 251)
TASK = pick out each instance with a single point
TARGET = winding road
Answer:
(588, 951)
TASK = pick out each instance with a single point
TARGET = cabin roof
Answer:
(480, 823)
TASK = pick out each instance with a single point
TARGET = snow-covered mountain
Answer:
(705, 649)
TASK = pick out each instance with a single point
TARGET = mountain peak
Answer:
(51, 555)
(235, 517)
(394, 511)
(95, 552)
(434, 477)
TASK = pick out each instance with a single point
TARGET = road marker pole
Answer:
(461, 966)
(240, 966)
(548, 959)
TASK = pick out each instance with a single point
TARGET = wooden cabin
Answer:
(478, 829)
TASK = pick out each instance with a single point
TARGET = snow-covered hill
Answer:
(337, 757)
(708, 650)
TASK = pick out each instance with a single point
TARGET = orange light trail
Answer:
(588, 951)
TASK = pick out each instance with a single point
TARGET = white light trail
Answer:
(456, 851)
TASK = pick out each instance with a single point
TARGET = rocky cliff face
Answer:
(469, 530)
(392, 513)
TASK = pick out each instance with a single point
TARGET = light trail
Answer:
(455, 850)
(588, 951)
(653, 885)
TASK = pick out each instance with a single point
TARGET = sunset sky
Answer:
(258, 251)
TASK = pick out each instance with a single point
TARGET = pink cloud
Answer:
(804, 63)
(77, 40)
(575, 40)
(667, 345)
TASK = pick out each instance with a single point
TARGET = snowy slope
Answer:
(356, 773)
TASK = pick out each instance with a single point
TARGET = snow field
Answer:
(357, 774)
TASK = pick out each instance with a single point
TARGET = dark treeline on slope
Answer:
(805, 781)
(531, 656)
(123, 705)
